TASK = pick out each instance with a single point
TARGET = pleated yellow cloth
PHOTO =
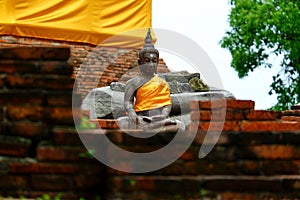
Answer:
(88, 21)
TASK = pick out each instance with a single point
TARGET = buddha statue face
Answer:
(148, 63)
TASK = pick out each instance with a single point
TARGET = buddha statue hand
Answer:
(133, 117)
(154, 118)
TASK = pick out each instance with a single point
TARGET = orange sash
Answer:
(153, 94)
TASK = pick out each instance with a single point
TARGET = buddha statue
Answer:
(147, 99)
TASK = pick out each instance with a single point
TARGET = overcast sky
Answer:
(205, 22)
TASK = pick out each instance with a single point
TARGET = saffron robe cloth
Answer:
(113, 23)
(153, 94)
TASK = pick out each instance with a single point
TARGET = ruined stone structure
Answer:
(256, 157)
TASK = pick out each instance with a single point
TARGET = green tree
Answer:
(261, 30)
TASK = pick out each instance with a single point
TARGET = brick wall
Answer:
(40, 152)
(256, 156)
(101, 65)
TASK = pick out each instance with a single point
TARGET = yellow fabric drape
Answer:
(87, 21)
(154, 94)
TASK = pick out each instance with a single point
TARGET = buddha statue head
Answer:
(148, 56)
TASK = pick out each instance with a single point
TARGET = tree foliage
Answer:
(260, 30)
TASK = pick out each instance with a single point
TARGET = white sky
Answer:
(205, 22)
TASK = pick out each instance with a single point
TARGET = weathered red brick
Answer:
(222, 103)
(242, 195)
(1, 114)
(291, 118)
(59, 98)
(208, 115)
(55, 67)
(218, 115)
(36, 167)
(1, 82)
(35, 53)
(21, 97)
(215, 126)
(208, 105)
(65, 135)
(240, 104)
(273, 167)
(51, 182)
(193, 126)
(202, 167)
(44, 82)
(61, 153)
(134, 184)
(28, 129)
(263, 115)
(233, 114)
(25, 112)
(212, 138)
(189, 154)
(14, 146)
(296, 107)
(245, 183)
(59, 115)
(106, 123)
(251, 167)
(18, 66)
(263, 126)
(88, 182)
(291, 113)
(14, 182)
(35, 67)
(275, 152)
